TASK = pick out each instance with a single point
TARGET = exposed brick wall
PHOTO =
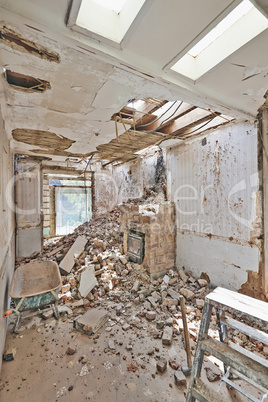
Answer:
(157, 222)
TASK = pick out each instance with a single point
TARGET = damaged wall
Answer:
(131, 180)
(214, 183)
(28, 207)
(7, 228)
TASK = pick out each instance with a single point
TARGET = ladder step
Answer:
(245, 329)
(204, 393)
(239, 361)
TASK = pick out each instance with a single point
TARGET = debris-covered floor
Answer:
(136, 355)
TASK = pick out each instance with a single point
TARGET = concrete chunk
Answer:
(68, 261)
(183, 276)
(188, 294)
(91, 321)
(161, 365)
(136, 286)
(167, 336)
(152, 301)
(173, 294)
(180, 380)
(202, 282)
(87, 281)
(150, 315)
(111, 344)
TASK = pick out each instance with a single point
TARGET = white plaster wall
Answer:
(133, 177)
(7, 252)
(28, 208)
(118, 184)
(213, 181)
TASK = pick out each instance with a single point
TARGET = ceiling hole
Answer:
(16, 41)
(26, 82)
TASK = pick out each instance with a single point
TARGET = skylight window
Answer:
(105, 20)
(114, 5)
(226, 23)
(135, 103)
(239, 27)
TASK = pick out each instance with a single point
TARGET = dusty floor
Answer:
(42, 371)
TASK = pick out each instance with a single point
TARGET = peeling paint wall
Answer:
(214, 182)
(28, 207)
(130, 180)
(7, 251)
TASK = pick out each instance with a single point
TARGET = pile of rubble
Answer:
(124, 289)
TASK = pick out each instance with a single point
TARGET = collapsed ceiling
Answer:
(67, 96)
(153, 122)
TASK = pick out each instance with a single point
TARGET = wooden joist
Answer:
(187, 120)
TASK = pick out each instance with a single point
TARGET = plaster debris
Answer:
(144, 314)
(87, 281)
(75, 251)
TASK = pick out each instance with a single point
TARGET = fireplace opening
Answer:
(135, 246)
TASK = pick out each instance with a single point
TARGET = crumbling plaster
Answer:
(7, 231)
(223, 87)
(83, 96)
(117, 184)
(214, 182)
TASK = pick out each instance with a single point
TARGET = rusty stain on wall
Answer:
(253, 287)
(14, 40)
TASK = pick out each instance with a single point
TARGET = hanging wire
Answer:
(151, 122)
(152, 131)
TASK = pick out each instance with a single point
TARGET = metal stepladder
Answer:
(237, 361)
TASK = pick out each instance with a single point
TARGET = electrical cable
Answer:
(151, 122)
(152, 131)
(198, 128)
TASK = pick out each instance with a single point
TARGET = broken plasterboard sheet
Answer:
(68, 261)
(91, 321)
(87, 281)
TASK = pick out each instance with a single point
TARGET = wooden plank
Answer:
(190, 119)
(244, 306)
(242, 362)
(205, 394)
(245, 329)
(55, 251)
(183, 109)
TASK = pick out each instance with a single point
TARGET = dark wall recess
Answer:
(25, 82)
